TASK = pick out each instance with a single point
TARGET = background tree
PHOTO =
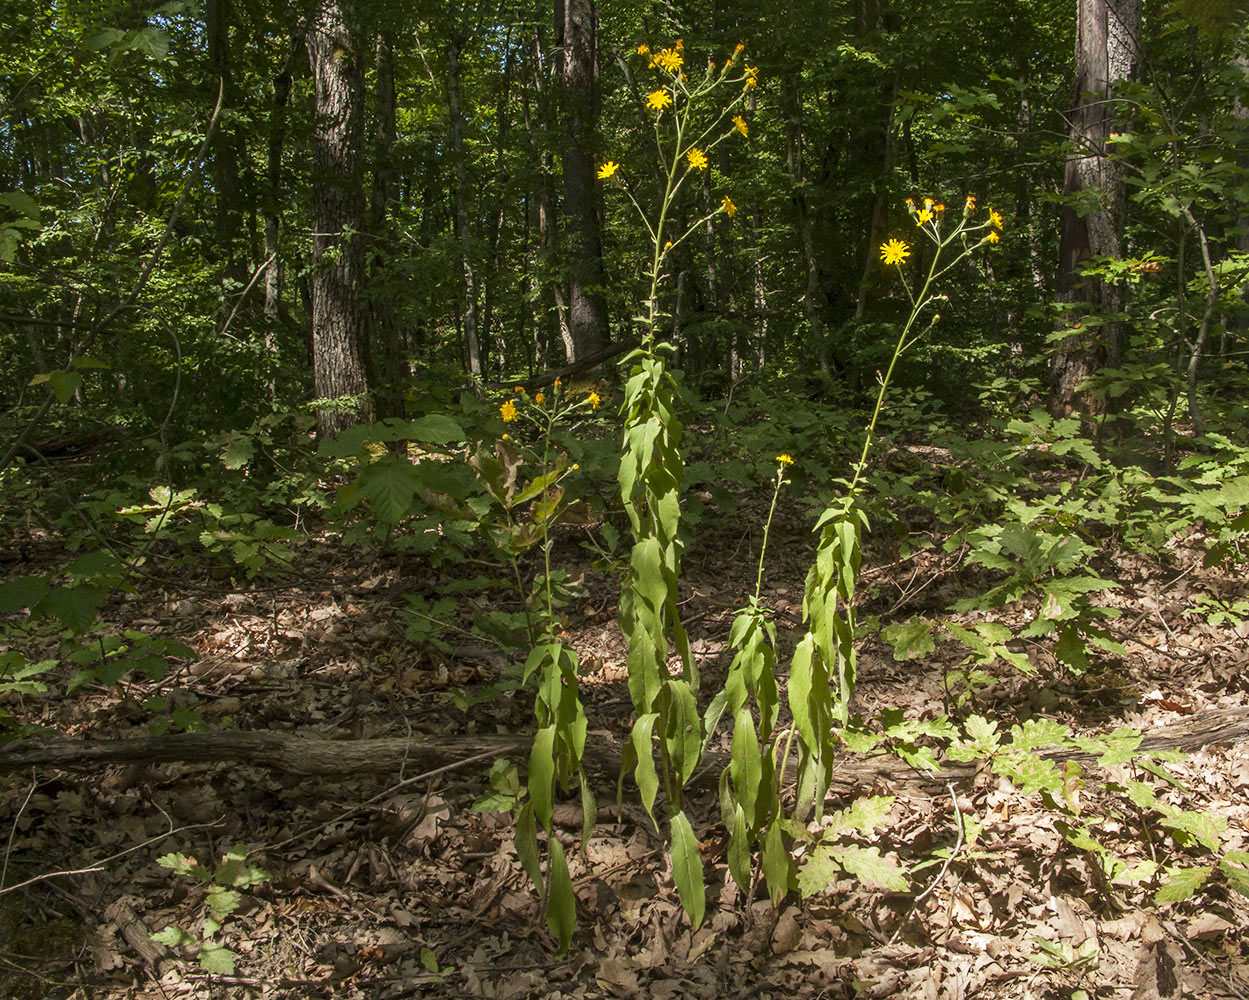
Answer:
(1107, 45)
(340, 360)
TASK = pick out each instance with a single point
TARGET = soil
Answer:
(391, 885)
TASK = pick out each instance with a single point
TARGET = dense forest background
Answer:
(365, 203)
(380, 477)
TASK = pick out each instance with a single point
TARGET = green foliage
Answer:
(221, 898)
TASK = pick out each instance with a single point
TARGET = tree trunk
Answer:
(1107, 37)
(383, 330)
(587, 308)
(304, 755)
(271, 210)
(472, 342)
(225, 152)
(340, 359)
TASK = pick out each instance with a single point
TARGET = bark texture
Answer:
(340, 360)
(302, 755)
(578, 94)
(1107, 44)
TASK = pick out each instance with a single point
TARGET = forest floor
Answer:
(383, 887)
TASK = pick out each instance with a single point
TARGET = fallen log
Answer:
(312, 757)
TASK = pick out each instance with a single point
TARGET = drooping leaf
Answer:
(561, 901)
(687, 868)
(542, 775)
(644, 774)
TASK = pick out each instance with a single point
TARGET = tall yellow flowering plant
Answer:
(667, 722)
(822, 674)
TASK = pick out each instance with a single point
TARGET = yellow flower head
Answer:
(993, 237)
(607, 169)
(910, 203)
(697, 158)
(679, 45)
(644, 50)
(971, 203)
(752, 77)
(711, 65)
(539, 398)
(922, 216)
(938, 208)
(996, 218)
(558, 382)
(657, 100)
(785, 458)
(669, 59)
(730, 209)
(520, 389)
(594, 400)
(739, 123)
(894, 252)
(928, 203)
(508, 412)
(738, 49)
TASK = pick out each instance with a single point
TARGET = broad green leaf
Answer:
(1202, 827)
(1182, 883)
(222, 901)
(21, 202)
(74, 607)
(217, 959)
(910, 640)
(22, 592)
(150, 41)
(687, 869)
(100, 563)
(561, 901)
(64, 384)
(868, 866)
(1038, 733)
(863, 815)
(390, 485)
(174, 937)
(436, 428)
(1237, 874)
(238, 452)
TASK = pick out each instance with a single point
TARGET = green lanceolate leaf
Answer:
(561, 901)
(687, 868)
(542, 775)
(526, 838)
(777, 863)
(683, 732)
(589, 810)
(644, 774)
(739, 850)
(746, 762)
